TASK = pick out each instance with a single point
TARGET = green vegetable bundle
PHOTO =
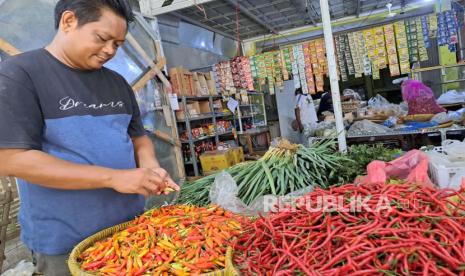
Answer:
(283, 169)
(362, 155)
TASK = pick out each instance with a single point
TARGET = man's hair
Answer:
(88, 11)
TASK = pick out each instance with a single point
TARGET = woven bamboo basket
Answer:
(418, 118)
(75, 267)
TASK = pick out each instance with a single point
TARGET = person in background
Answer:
(326, 103)
(305, 112)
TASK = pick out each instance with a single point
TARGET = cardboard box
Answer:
(203, 85)
(176, 80)
(182, 81)
(216, 160)
(211, 84)
(193, 108)
(238, 154)
(200, 84)
(204, 107)
(180, 114)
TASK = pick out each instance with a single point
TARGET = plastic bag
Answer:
(452, 97)
(420, 98)
(441, 118)
(366, 127)
(455, 150)
(381, 106)
(325, 129)
(224, 193)
(457, 116)
(23, 268)
(390, 122)
(350, 92)
(412, 167)
(378, 101)
(415, 126)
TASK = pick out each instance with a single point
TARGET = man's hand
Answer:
(167, 181)
(142, 181)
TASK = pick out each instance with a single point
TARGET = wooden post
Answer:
(8, 48)
(167, 86)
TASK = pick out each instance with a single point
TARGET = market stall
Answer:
(374, 184)
(305, 223)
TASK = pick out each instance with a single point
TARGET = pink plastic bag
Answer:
(420, 98)
(413, 167)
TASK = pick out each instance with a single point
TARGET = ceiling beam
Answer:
(157, 7)
(358, 8)
(250, 9)
(192, 21)
(297, 4)
(283, 17)
(260, 22)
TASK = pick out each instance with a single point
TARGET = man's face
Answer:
(90, 46)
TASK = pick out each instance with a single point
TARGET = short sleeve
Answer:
(21, 118)
(297, 101)
(136, 128)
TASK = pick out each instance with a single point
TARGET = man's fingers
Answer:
(156, 179)
(170, 183)
(161, 172)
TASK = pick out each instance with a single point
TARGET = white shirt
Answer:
(307, 110)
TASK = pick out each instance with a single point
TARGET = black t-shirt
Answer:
(326, 103)
(84, 117)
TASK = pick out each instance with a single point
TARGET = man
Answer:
(326, 103)
(71, 133)
(305, 113)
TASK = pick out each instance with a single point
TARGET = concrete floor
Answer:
(15, 251)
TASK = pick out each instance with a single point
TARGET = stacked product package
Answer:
(390, 40)
(295, 67)
(236, 69)
(422, 52)
(269, 64)
(402, 47)
(357, 49)
(261, 69)
(433, 25)
(448, 29)
(246, 74)
(301, 66)
(340, 57)
(426, 32)
(287, 63)
(278, 69)
(345, 47)
(412, 39)
(308, 69)
(322, 64)
(253, 67)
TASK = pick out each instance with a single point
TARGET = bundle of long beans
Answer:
(284, 168)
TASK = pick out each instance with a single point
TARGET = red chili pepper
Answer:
(419, 229)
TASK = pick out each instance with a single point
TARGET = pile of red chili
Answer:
(400, 229)
(173, 240)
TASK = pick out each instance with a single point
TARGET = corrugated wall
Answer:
(191, 46)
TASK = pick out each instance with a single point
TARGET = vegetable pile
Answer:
(361, 155)
(175, 240)
(417, 231)
(283, 169)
